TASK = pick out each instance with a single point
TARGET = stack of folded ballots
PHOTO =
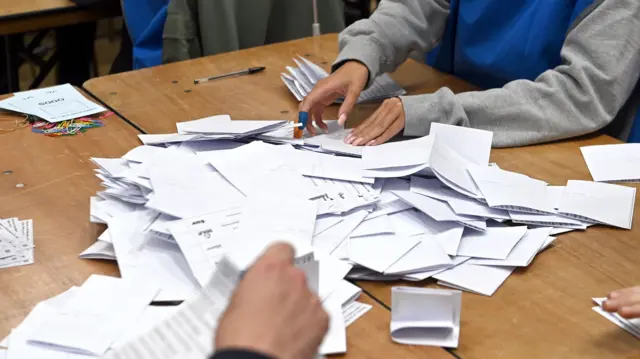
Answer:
(302, 79)
(180, 206)
(16, 242)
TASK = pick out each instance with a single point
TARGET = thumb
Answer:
(347, 106)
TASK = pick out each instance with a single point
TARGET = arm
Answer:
(600, 67)
(383, 42)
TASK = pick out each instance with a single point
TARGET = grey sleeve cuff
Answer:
(365, 52)
(421, 110)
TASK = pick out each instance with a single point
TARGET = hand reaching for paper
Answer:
(386, 122)
(348, 82)
(273, 312)
(625, 302)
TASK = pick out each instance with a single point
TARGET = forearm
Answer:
(600, 67)
(238, 354)
(398, 27)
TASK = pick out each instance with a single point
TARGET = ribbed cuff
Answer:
(421, 110)
(238, 354)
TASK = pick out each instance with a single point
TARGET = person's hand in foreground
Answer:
(386, 122)
(348, 82)
(625, 302)
(273, 312)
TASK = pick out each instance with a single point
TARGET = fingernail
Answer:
(371, 143)
(613, 295)
(326, 130)
(358, 141)
(348, 139)
(342, 119)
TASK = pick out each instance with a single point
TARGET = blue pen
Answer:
(303, 118)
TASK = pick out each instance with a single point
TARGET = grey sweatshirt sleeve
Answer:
(383, 42)
(600, 67)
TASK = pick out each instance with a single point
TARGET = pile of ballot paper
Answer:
(216, 193)
(16, 242)
(302, 79)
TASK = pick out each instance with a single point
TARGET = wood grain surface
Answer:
(156, 98)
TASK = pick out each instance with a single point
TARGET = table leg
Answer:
(11, 63)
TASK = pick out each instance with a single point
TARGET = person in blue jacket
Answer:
(550, 69)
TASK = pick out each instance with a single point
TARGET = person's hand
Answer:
(273, 312)
(348, 82)
(625, 302)
(386, 122)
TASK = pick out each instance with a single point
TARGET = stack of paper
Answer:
(219, 127)
(52, 104)
(16, 242)
(301, 80)
(630, 325)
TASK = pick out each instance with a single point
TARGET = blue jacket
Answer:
(145, 20)
(492, 42)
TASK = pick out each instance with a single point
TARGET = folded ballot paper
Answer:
(613, 163)
(16, 242)
(301, 80)
(630, 325)
(423, 316)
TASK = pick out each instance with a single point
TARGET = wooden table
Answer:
(18, 16)
(58, 180)
(155, 98)
(543, 311)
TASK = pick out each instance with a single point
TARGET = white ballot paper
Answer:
(610, 163)
(378, 253)
(427, 255)
(483, 280)
(335, 341)
(188, 332)
(523, 253)
(599, 203)
(423, 316)
(513, 191)
(397, 154)
(202, 240)
(494, 243)
(101, 309)
(630, 325)
(439, 210)
(52, 104)
(460, 203)
(353, 311)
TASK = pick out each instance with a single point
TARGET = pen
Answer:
(303, 117)
(249, 71)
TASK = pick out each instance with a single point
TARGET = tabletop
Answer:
(156, 98)
(17, 16)
(55, 179)
(543, 311)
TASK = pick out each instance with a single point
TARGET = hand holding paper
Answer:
(287, 318)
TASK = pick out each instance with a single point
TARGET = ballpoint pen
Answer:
(249, 71)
